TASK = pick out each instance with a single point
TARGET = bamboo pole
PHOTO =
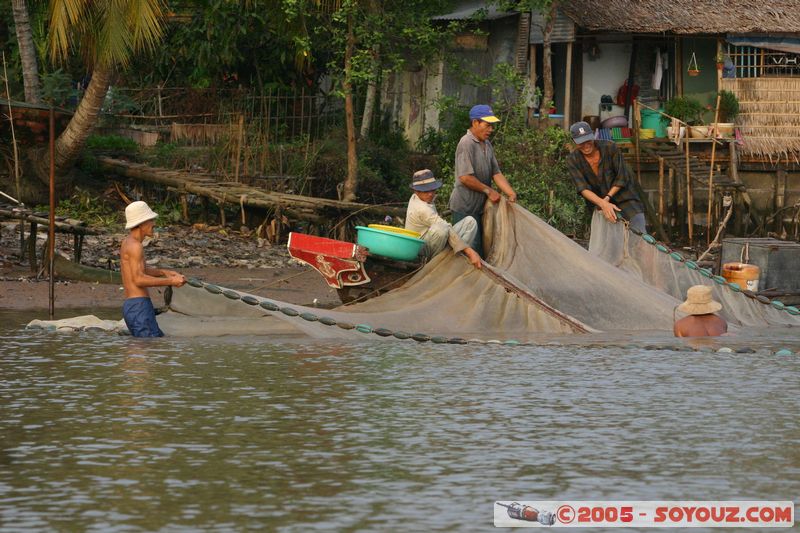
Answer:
(636, 140)
(780, 198)
(239, 141)
(51, 245)
(661, 189)
(711, 173)
(671, 195)
(204, 186)
(568, 88)
(16, 161)
(689, 199)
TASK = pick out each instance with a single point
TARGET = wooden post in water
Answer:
(689, 199)
(671, 195)
(51, 244)
(711, 172)
(661, 189)
(32, 247)
(780, 198)
(635, 123)
(240, 140)
(738, 197)
(184, 208)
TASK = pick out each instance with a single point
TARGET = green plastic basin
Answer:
(389, 244)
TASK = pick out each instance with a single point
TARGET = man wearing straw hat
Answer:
(701, 322)
(138, 311)
(422, 217)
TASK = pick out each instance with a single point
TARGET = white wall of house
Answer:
(604, 75)
(433, 91)
(409, 97)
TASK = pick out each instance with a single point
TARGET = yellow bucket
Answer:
(744, 275)
(395, 229)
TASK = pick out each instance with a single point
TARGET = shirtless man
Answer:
(138, 311)
(701, 322)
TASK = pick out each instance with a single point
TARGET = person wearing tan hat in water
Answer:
(701, 322)
(138, 311)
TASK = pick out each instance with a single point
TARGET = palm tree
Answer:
(106, 34)
(30, 69)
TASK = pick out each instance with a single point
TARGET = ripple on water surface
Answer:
(114, 433)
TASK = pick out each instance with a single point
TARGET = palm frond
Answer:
(66, 16)
(108, 32)
(114, 34)
(145, 18)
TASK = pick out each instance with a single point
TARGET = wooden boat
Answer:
(352, 270)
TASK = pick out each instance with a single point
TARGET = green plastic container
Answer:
(653, 120)
(389, 244)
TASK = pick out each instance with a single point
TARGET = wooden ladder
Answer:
(675, 159)
(523, 36)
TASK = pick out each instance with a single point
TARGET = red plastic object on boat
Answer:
(340, 263)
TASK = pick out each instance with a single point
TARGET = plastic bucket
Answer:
(395, 229)
(652, 120)
(744, 275)
(389, 244)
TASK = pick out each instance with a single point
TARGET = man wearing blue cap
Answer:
(475, 169)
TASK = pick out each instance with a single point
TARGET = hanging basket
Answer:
(693, 69)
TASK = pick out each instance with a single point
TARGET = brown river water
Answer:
(106, 433)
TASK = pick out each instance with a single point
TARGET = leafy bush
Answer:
(111, 142)
(57, 88)
(89, 207)
(534, 161)
(728, 106)
(686, 109)
(169, 212)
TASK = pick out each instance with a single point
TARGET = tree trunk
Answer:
(27, 52)
(351, 181)
(547, 62)
(372, 92)
(71, 141)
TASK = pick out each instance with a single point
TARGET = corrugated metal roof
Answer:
(563, 30)
(469, 9)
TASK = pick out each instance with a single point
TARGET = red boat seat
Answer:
(340, 263)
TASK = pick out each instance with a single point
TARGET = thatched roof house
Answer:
(685, 16)
(761, 39)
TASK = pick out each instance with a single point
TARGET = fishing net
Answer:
(667, 271)
(537, 284)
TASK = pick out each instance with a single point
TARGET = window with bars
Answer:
(754, 62)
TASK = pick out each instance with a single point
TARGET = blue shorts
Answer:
(140, 317)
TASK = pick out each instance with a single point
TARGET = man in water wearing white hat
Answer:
(701, 322)
(422, 217)
(138, 311)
